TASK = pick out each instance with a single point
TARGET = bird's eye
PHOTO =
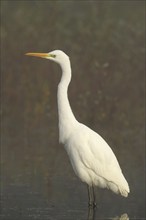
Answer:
(53, 55)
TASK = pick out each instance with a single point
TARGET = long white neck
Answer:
(66, 117)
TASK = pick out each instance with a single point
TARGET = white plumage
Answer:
(91, 157)
(93, 160)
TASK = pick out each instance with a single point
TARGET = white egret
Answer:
(91, 157)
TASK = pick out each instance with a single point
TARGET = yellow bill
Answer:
(42, 55)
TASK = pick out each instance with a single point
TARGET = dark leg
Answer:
(94, 197)
(91, 195)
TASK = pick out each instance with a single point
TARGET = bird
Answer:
(92, 159)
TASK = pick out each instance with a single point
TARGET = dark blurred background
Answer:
(106, 44)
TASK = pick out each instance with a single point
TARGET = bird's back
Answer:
(94, 161)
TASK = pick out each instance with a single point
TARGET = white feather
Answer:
(91, 157)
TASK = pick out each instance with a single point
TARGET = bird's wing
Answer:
(97, 156)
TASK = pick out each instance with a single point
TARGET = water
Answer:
(38, 183)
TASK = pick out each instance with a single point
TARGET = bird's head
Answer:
(57, 56)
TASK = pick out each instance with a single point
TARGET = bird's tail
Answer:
(119, 189)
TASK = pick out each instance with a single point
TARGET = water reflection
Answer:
(122, 217)
(92, 215)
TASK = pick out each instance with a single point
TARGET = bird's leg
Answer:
(91, 195)
(94, 197)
